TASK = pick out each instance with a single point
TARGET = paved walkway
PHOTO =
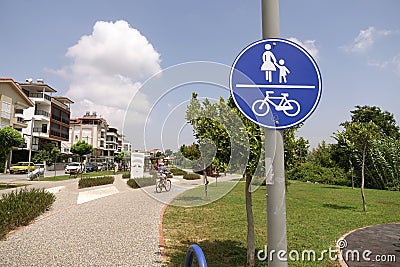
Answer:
(377, 245)
(110, 225)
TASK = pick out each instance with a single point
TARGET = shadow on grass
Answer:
(337, 207)
(217, 253)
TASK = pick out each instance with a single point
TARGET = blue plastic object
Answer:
(201, 259)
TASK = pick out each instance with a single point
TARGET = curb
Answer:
(161, 236)
(160, 231)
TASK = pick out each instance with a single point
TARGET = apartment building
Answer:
(90, 128)
(13, 103)
(48, 118)
(111, 142)
(93, 129)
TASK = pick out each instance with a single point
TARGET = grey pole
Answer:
(30, 146)
(276, 200)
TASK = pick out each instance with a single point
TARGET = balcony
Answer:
(42, 115)
(19, 121)
(39, 131)
(40, 97)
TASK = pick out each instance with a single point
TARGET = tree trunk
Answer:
(363, 179)
(352, 174)
(250, 224)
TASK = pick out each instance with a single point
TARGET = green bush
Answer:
(177, 171)
(95, 181)
(141, 182)
(20, 207)
(191, 176)
(315, 173)
(126, 176)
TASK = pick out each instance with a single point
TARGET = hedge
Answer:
(316, 173)
(95, 181)
(141, 182)
(191, 176)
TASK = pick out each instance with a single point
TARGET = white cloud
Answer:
(309, 45)
(107, 69)
(392, 64)
(366, 39)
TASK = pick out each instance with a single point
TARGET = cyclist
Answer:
(163, 171)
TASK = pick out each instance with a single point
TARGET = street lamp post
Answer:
(30, 146)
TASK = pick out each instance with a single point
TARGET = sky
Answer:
(104, 55)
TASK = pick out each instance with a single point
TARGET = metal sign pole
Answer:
(276, 200)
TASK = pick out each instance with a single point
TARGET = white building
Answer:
(48, 119)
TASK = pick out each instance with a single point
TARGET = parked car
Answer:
(101, 167)
(75, 167)
(22, 167)
(91, 166)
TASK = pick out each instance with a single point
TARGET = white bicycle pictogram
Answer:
(290, 107)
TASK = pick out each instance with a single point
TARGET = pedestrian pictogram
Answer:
(275, 83)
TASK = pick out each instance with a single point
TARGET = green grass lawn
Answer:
(317, 215)
(67, 176)
(10, 185)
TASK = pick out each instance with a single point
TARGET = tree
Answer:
(81, 148)
(296, 149)
(362, 135)
(235, 138)
(121, 158)
(168, 152)
(49, 154)
(191, 152)
(383, 164)
(9, 138)
(322, 155)
(384, 120)
(346, 155)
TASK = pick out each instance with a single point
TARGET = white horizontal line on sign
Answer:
(275, 86)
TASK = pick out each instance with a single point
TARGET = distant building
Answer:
(93, 129)
(111, 142)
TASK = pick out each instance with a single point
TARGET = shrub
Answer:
(95, 181)
(177, 171)
(20, 207)
(316, 173)
(126, 175)
(191, 176)
(132, 183)
(140, 182)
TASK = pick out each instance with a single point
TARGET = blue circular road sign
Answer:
(275, 83)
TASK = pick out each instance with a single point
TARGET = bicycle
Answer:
(162, 182)
(290, 107)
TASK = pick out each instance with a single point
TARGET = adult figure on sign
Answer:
(269, 63)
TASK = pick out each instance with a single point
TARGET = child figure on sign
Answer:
(283, 71)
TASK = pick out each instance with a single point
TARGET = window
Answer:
(55, 114)
(64, 117)
(6, 110)
(55, 129)
(65, 132)
(44, 128)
